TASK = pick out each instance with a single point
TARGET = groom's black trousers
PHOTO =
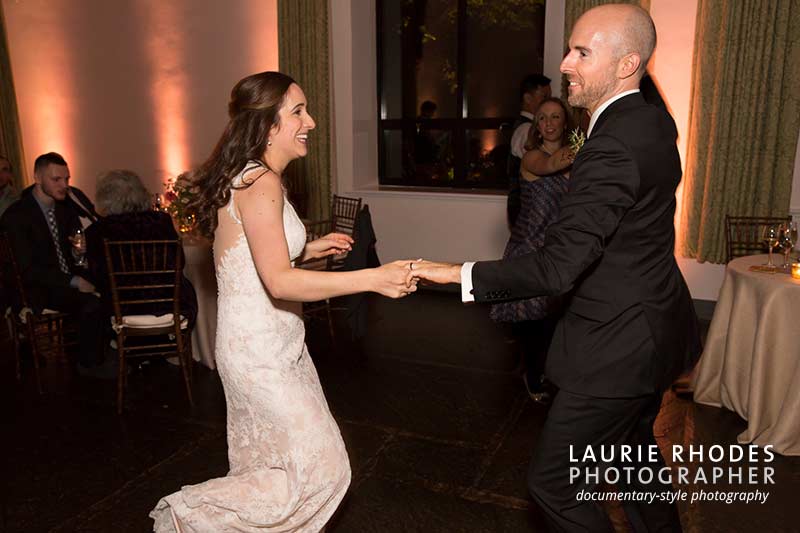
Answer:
(583, 421)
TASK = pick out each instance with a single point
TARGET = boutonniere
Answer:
(576, 139)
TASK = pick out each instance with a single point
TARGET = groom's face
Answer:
(591, 64)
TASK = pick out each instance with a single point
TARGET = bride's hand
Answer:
(330, 244)
(395, 279)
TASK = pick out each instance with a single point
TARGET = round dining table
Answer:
(751, 360)
(199, 269)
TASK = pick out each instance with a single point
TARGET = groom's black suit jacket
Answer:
(629, 328)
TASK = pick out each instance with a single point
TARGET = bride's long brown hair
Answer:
(253, 110)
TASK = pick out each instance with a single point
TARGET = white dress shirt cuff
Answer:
(466, 282)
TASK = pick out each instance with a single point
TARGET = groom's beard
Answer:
(593, 93)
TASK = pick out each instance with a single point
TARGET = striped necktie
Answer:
(51, 221)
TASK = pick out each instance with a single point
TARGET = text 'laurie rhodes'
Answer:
(642, 465)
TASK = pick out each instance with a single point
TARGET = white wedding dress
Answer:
(288, 465)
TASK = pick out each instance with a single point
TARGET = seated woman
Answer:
(123, 203)
(544, 177)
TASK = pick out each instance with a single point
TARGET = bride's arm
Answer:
(261, 209)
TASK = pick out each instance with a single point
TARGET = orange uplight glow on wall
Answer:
(671, 68)
(53, 110)
(165, 50)
(49, 95)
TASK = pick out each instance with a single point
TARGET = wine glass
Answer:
(770, 236)
(158, 202)
(787, 242)
(78, 241)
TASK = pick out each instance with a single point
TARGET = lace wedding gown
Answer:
(288, 465)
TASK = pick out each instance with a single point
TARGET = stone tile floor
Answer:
(431, 407)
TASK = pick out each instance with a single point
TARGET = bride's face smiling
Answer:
(290, 137)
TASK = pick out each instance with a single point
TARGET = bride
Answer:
(288, 465)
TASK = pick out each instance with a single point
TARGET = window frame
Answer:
(458, 127)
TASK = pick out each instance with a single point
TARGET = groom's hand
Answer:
(437, 272)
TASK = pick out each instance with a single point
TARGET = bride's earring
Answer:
(269, 143)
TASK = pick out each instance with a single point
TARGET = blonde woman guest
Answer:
(545, 172)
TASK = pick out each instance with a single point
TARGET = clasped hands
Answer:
(394, 280)
(405, 275)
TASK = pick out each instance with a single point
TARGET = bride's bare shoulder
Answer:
(260, 188)
(260, 181)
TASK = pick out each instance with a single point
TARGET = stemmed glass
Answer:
(78, 241)
(770, 236)
(787, 241)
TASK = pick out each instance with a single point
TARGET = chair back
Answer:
(343, 214)
(744, 235)
(144, 275)
(12, 290)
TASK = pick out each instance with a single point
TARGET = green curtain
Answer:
(304, 55)
(744, 117)
(10, 132)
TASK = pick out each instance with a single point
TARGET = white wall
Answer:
(142, 84)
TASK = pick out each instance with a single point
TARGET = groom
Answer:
(629, 329)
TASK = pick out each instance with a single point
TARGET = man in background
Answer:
(75, 199)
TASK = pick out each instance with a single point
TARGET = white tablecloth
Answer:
(199, 268)
(751, 361)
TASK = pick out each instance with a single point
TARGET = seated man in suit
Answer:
(39, 226)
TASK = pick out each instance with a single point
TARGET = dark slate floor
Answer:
(435, 418)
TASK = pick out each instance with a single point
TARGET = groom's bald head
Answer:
(609, 48)
(628, 29)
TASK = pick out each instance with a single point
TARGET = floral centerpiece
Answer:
(178, 195)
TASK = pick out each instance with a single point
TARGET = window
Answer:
(448, 87)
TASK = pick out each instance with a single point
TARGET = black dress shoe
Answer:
(538, 393)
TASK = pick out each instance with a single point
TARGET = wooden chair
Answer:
(743, 235)
(344, 211)
(47, 332)
(143, 273)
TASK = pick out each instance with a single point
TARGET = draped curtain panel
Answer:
(305, 56)
(744, 117)
(10, 132)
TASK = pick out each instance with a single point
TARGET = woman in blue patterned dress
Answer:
(544, 175)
